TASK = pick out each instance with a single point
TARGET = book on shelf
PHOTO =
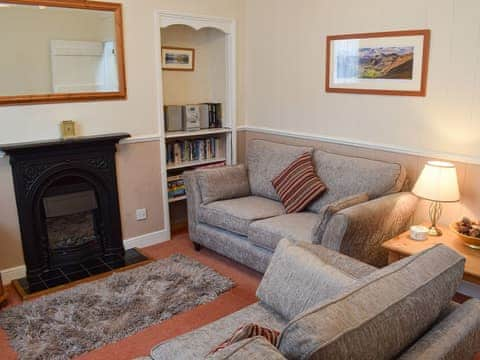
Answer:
(214, 115)
(182, 151)
(176, 186)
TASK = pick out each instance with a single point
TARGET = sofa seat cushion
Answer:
(198, 343)
(297, 227)
(236, 214)
(394, 306)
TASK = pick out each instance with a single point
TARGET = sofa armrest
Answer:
(455, 337)
(327, 211)
(209, 185)
(252, 348)
(359, 231)
(194, 200)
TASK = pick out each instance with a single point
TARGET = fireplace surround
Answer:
(67, 201)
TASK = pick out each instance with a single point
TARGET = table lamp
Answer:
(437, 183)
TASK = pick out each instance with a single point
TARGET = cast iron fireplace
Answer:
(66, 193)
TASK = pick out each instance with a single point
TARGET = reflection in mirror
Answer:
(53, 50)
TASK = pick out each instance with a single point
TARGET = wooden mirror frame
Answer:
(116, 8)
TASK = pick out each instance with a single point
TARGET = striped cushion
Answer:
(248, 331)
(298, 184)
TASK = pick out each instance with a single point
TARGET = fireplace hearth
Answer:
(67, 201)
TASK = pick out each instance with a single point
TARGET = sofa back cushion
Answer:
(381, 315)
(297, 279)
(265, 160)
(346, 176)
(223, 183)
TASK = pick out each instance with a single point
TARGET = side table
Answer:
(402, 246)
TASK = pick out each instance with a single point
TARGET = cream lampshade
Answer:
(437, 183)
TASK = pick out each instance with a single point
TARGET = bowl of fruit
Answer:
(468, 231)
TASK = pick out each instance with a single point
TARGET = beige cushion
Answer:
(223, 183)
(347, 175)
(382, 315)
(297, 279)
(329, 210)
(298, 227)
(236, 214)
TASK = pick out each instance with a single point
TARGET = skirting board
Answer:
(141, 241)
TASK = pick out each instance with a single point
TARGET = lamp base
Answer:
(434, 231)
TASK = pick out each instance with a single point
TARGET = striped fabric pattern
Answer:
(249, 331)
(298, 184)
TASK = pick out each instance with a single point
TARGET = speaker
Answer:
(191, 117)
(173, 118)
(204, 116)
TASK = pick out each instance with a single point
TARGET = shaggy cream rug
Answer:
(88, 316)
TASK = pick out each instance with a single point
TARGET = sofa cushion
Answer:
(256, 348)
(223, 183)
(348, 265)
(345, 176)
(327, 212)
(265, 160)
(297, 279)
(298, 184)
(248, 331)
(236, 214)
(297, 227)
(381, 316)
(198, 343)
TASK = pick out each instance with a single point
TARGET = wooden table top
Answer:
(405, 246)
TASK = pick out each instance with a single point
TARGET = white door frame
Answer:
(163, 19)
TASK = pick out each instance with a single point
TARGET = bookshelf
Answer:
(187, 134)
(195, 163)
(212, 81)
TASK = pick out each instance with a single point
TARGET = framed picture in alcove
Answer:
(178, 59)
(384, 63)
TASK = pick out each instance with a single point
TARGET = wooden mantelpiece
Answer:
(75, 142)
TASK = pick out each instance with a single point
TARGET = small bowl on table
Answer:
(471, 241)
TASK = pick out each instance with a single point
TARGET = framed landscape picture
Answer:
(178, 59)
(385, 63)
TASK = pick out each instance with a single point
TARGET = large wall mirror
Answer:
(60, 51)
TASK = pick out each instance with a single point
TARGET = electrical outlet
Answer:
(141, 214)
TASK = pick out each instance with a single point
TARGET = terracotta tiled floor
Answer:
(140, 344)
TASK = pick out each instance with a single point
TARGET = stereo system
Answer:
(192, 117)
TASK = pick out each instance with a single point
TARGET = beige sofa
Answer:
(236, 212)
(331, 307)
